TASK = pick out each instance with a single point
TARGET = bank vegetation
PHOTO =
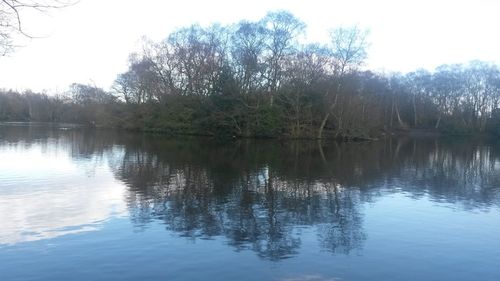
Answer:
(258, 79)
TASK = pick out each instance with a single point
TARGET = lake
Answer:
(79, 204)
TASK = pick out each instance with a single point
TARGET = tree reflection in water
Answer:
(264, 195)
(261, 195)
(240, 191)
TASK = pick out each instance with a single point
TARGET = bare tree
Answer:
(304, 73)
(247, 47)
(349, 47)
(12, 18)
(282, 28)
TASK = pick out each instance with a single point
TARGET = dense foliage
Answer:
(256, 79)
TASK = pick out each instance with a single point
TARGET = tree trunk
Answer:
(401, 123)
(30, 110)
(415, 117)
(391, 121)
(437, 123)
(332, 106)
(322, 126)
(339, 123)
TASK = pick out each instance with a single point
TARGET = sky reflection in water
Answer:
(91, 205)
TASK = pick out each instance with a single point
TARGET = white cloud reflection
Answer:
(44, 194)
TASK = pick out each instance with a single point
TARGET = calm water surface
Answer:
(92, 205)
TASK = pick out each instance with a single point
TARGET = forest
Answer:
(259, 79)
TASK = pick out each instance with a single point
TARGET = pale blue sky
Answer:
(90, 42)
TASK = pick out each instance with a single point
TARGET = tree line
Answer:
(258, 79)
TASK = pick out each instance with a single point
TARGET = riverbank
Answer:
(328, 134)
